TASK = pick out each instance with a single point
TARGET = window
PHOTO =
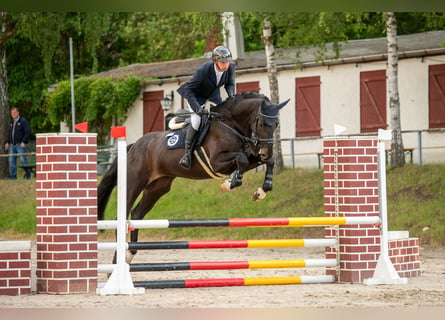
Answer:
(253, 86)
(372, 101)
(437, 96)
(307, 99)
(152, 111)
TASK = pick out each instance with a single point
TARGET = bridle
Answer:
(252, 143)
(267, 140)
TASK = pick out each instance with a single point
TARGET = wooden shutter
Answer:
(152, 111)
(372, 101)
(307, 99)
(437, 96)
(253, 86)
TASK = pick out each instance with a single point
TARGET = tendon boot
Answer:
(186, 160)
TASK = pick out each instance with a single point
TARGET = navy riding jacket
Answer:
(21, 133)
(202, 86)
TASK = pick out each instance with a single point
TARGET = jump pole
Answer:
(384, 273)
(223, 265)
(120, 281)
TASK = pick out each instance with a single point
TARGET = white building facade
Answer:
(341, 91)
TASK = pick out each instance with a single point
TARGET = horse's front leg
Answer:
(236, 178)
(260, 193)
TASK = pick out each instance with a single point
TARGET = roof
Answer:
(355, 51)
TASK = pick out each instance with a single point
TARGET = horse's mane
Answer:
(226, 105)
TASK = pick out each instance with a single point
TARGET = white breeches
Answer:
(194, 118)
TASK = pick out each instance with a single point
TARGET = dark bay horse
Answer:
(239, 138)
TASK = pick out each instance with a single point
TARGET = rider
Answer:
(202, 87)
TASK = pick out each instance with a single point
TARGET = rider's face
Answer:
(222, 66)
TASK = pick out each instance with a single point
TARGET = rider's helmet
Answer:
(221, 54)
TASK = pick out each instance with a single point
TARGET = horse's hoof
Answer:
(225, 186)
(259, 195)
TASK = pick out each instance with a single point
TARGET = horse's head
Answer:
(263, 127)
(255, 118)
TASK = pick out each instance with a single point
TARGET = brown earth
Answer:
(428, 290)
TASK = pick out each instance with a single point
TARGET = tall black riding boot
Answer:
(186, 160)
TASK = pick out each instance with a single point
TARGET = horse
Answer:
(239, 138)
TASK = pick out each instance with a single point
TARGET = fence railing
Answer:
(318, 153)
(409, 150)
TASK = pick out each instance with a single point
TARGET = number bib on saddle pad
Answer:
(176, 139)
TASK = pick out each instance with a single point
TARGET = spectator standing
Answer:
(18, 137)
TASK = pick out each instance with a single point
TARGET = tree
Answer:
(163, 36)
(307, 29)
(397, 153)
(7, 30)
(273, 87)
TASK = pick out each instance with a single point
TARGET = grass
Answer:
(416, 202)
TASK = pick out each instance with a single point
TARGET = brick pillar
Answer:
(15, 267)
(66, 212)
(351, 189)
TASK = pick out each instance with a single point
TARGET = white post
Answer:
(120, 281)
(73, 108)
(384, 273)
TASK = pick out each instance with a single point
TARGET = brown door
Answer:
(253, 86)
(307, 99)
(153, 113)
(372, 101)
(437, 96)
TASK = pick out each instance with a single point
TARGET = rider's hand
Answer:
(200, 111)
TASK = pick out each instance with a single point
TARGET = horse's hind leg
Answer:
(151, 194)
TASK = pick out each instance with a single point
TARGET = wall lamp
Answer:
(167, 101)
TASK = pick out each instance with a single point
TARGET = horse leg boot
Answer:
(186, 160)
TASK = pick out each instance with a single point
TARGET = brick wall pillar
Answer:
(15, 267)
(66, 212)
(351, 189)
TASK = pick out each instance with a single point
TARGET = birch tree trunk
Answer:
(273, 87)
(397, 153)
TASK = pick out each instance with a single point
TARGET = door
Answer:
(152, 111)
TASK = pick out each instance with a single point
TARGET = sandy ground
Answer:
(428, 290)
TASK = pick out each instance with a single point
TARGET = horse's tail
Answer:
(106, 186)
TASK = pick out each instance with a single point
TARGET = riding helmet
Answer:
(221, 54)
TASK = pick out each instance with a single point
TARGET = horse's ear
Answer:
(282, 104)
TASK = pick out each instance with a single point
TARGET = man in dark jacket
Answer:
(202, 87)
(18, 137)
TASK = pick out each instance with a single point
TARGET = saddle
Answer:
(175, 138)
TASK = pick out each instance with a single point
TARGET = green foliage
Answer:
(100, 101)
(25, 81)
(162, 36)
(38, 56)
(303, 29)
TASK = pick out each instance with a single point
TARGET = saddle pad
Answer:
(176, 139)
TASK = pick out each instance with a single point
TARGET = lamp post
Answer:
(167, 101)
